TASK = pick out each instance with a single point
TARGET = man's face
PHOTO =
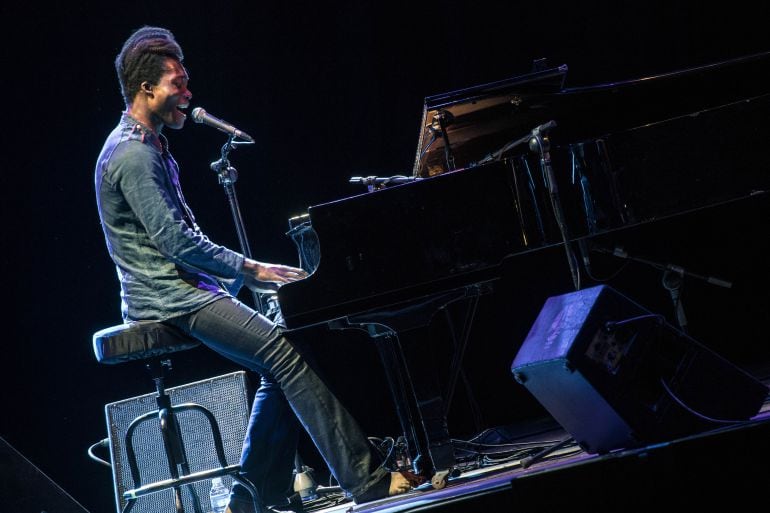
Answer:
(170, 95)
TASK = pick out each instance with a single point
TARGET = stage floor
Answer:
(730, 465)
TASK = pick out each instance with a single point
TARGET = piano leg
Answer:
(402, 392)
(420, 410)
(419, 402)
(440, 446)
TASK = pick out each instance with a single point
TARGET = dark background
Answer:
(328, 92)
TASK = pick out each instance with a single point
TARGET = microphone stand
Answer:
(539, 141)
(673, 276)
(227, 177)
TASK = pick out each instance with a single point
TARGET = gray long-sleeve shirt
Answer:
(166, 265)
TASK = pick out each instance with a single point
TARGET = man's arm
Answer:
(148, 190)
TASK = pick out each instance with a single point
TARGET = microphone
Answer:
(199, 115)
(543, 128)
(441, 120)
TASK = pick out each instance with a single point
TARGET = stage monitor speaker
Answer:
(227, 397)
(615, 375)
(24, 488)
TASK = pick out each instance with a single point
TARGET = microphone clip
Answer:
(226, 173)
(442, 119)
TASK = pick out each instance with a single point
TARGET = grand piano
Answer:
(512, 167)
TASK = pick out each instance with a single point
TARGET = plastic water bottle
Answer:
(219, 495)
(304, 484)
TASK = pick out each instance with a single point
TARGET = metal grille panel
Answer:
(227, 397)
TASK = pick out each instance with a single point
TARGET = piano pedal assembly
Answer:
(440, 478)
(397, 459)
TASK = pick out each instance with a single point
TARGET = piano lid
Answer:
(485, 111)
(481, 120)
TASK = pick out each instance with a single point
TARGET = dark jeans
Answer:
(290, 390)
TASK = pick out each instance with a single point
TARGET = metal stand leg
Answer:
(176, 455)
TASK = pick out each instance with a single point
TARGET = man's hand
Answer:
(263, 277)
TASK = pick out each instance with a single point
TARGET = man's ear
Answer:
(146, 87)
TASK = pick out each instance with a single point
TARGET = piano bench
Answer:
(139, 341)
(153, 341)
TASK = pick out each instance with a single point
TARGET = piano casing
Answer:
(529, 164)
(623, 154)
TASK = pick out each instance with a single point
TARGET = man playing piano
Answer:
(170, 271)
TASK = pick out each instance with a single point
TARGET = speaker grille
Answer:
(227, 397)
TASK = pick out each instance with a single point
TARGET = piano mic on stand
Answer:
(622, 154)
